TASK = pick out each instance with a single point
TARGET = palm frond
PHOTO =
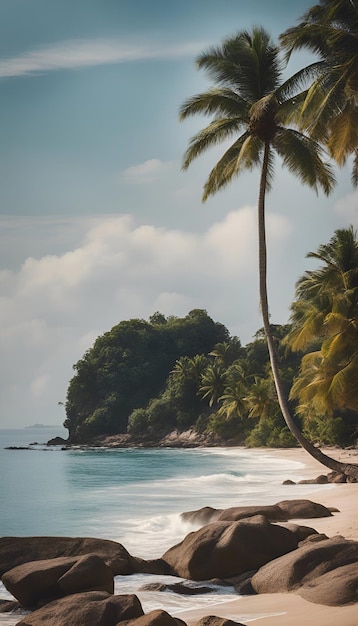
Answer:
(215, 133)
(302, 156)
(248, 61)
(223, 102)
(325, 99)
(343, 138)
(298, 81)
(244, 153)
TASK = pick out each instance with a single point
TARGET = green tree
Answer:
(261, 398)
(234, 397)
(330, 108)
(212, 383)
(128, 366)
(253, 106)
(226, 352)
(325, 322)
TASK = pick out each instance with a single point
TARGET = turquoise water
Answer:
(133, 496)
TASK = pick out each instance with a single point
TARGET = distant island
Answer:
(43, 426)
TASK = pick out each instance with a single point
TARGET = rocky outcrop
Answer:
(41, 581)
(93, 608)
(319, 571)
(225, 549)
(18, 550)
(280, 512)
(335, 588)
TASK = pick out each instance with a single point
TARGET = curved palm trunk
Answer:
(337, 466)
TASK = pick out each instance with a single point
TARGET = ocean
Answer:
(133, 496)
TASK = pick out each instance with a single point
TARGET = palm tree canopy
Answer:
(330, 111)
(250, 104)
(325, 320)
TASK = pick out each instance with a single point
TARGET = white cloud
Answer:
(347, 208)
(146, 172)
(55, 306)
(78, 53)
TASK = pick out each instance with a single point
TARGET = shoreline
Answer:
(289, 609)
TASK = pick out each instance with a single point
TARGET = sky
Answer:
(98, 222)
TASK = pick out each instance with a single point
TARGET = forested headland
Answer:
(149, 378)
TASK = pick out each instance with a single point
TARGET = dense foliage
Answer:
(149, 378)
(129, 365)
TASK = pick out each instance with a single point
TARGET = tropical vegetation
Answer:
(312, 376)
(330, 104)
(251, 105)
(148, 379)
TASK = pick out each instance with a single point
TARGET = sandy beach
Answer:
(289, 609)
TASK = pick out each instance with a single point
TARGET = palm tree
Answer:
(226, 352)
(261, 398)
(330, 109)
(212, 383)
(251, 104)
(325, 316)
(234, 397)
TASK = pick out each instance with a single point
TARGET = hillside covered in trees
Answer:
(149, 378)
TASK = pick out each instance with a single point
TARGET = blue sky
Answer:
(97, 221)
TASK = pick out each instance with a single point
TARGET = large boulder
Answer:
(303, 509)
(280, 512)
(18, 550)
(41, 581)
(307, 564)
(335, 588)
(226, 549)
(94, 608)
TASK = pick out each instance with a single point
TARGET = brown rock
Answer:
(280, 512)
(306, 564)
(154, 618)
(225, 549)
(41, 581)
(302, 509)
(335, 588)
(213, 620)
(6, 606)
(322, 479)
(336, 477)
(17, 550)
(94, 608)
(201, 516)
(271, 512)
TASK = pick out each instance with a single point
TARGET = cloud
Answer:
(53, 307)
(347, 208)
(73, 54)
(146, 172)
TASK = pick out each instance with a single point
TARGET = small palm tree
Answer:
(261, 398)
(251, 105)
(330, 109)
(212, 383)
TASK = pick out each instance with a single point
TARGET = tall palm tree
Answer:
(251, 105)
(330, 109)
(326, 313)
